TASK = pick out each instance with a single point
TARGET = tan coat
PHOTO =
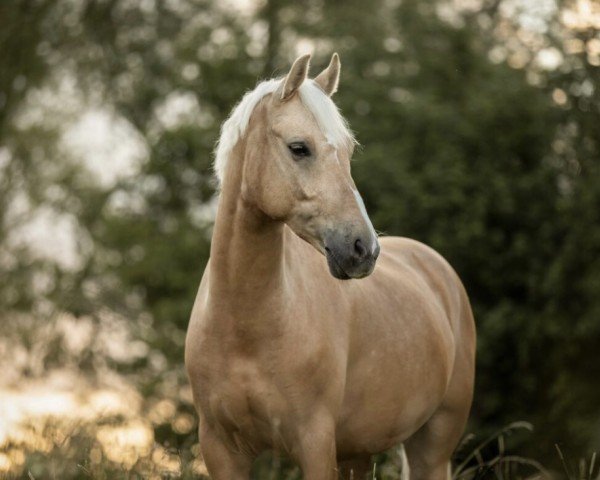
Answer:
(283, 355)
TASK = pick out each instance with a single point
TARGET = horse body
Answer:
(281, 355)
(403, 347)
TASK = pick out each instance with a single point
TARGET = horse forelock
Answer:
(328, 117)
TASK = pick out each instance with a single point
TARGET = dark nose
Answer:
(361, 251)
(351, 257)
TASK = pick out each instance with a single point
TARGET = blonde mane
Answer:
(327, 115)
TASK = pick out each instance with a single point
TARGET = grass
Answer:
(586, 469)
(500, 464)
(105, 450)
(114, 448)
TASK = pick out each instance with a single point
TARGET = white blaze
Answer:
(363, 211)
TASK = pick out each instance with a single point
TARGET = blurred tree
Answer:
(490, 159)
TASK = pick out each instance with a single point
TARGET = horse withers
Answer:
(296, 342)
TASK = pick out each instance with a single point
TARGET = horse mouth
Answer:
(334, 266)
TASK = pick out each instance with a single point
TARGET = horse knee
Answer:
(222, 462)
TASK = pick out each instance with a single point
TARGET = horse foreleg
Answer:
(223, 462)
(316, 449)
(430, 449)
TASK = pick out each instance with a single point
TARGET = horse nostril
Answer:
(360, 249)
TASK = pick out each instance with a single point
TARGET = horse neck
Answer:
(246, 264)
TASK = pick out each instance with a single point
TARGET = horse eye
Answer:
(299, 149)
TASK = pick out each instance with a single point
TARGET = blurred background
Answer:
(480, 126)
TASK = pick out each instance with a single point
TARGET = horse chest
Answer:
(247, 405)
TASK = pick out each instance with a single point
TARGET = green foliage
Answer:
(72, 451)
(466, 154)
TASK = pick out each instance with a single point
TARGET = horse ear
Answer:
(296, 76)
(329, 78)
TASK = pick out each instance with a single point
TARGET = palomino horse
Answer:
(321, 364)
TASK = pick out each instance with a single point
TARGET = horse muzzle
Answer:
(352, 257)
